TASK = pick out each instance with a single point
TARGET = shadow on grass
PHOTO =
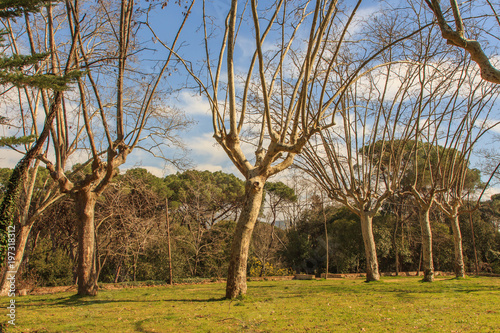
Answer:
(380, 287)
(291, 291)
(77, 300)
(139, 326)
(196, 300)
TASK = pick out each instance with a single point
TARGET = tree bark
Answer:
(474, 242)
(372, 273)
(21, 241)
(327, 268)
(11, 195)
(87, 268)
(170, 277)
(237, 272)
(457, 241)
(395, 244)
(425, 226)
(117, 273)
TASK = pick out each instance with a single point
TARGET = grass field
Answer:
(391, 305)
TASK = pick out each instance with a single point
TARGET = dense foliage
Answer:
(203, 206)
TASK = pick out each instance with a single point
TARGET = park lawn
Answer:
(340, 305)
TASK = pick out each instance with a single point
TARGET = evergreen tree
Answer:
(17, 70)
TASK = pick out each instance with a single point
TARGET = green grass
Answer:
(392, 305)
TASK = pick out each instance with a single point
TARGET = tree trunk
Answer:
(396, 253)
(134, 268)
(237, 271)
(395, 244)
(428, 264)
(11, 195)
(87, 269)
(372, 273)
(457, 241)
(327, 268)
(474, 242)
(20, 246)
(117, 273)
(170, 278)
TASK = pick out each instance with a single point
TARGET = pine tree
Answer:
(16, 70)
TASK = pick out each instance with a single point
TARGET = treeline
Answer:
(132, 243)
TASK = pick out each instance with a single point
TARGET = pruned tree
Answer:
(451, 122)
(360, 163)
(280, 101)
(465, 126)
(277, 103)
(111, 121)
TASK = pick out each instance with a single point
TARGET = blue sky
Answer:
(205, 154)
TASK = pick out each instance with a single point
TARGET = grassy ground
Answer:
(392, 305)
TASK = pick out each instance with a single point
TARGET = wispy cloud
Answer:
(9, 158)
(194, 105)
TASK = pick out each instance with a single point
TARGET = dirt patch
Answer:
(51, 290)
(112, 286)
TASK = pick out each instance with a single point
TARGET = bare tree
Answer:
(360, 162)
(451, 122)
(278, 103)
(25, 199)
(465, 126)
(49, 79)
(109, 143)
(35, 200)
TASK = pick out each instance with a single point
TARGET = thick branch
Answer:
(457, 38)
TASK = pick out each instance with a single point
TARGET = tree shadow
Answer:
(197, 300)
(77, 300)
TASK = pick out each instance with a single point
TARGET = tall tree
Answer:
(278, 103)
(38, 193)
(116, 120)
(23, 71)
(360, 162)
(450, 126)
(463, 129)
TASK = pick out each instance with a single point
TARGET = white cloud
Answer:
(489, 192)
(209, 167)
(205, 150)
(156, 171)
(194, 104)
(9, 158)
